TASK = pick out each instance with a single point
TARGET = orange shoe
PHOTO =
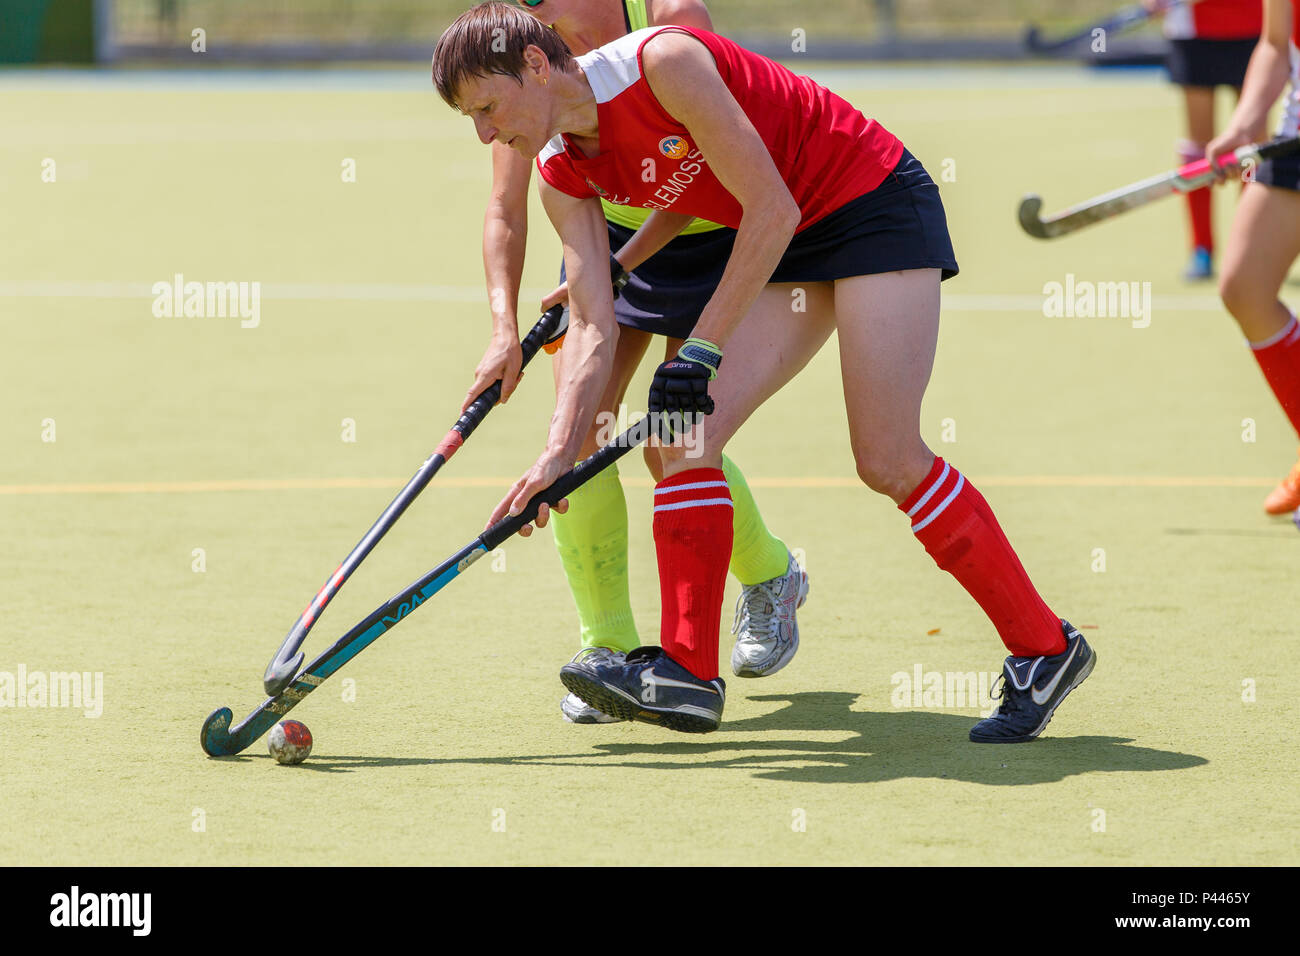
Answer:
(1285, 497)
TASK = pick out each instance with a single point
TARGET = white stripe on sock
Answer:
(933, 488)
(702, 502)
(690, 487)
(961, 480)
(1287, 330)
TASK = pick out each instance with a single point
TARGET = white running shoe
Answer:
(767, 633)
(578, 711)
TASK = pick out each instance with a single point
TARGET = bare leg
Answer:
(888, 326)
(1262, 246)
(772, 345)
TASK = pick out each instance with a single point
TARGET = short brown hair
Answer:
(491, 38)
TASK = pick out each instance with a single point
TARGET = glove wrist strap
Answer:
(704, 352)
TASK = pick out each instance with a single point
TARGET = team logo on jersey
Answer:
(674, 147)
(603, 194)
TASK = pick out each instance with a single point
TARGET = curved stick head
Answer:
(1030, 207)
(280, 674)
(215, 735)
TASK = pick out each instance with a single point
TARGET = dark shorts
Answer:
(667, 292)
(1283, 172)
(899, 225)
(1201, 62)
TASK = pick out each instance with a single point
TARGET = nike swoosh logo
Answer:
(1041, 697)
(650, 678)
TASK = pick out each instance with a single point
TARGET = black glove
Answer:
(681, 385)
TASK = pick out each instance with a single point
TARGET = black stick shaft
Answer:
(568, 483)
(220, 739)
(286, 661)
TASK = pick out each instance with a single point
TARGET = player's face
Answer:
(503, 110)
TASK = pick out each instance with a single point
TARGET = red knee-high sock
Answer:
(1279, 358)
(693, 531)
(956, 526)
(1199, 201)
(1198, 206)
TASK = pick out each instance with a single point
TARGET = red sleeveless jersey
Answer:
(827, 152)
(1216, 20)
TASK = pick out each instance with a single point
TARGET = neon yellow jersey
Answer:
(630, 217)
(637, 16)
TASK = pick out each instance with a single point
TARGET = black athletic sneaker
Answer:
(1032, 689)
(648, 686)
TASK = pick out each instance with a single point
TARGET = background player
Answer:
(1210, 44)
(1265, 238)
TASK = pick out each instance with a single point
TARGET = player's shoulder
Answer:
(674, 49)
(554, 148)
(686, 13)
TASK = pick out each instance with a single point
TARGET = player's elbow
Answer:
(785, 214)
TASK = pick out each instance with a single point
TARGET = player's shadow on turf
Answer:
(886, 745)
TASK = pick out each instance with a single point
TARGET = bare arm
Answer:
(1266, 78)
(588, 345)
(661, 228)
(505, 231)
(505, 236)
(684, 77)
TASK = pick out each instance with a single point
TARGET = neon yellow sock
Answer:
(592, 542)
(757, 555)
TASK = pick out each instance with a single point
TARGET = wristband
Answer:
(704, 352)
(617, 274)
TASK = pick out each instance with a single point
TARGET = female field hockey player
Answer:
(1265, 238)
(1210, 42)
(688, 123)
(664, 297)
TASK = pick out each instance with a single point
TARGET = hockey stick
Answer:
(1124, 19)
(1184, 179)
(219, 739)
(288, 659)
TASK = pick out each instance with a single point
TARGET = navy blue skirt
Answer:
(899, 225)
(1283, 172)
(667, 292)
(1199, 61)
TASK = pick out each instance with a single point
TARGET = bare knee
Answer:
(894, 473)
(1256, 309)
(1238, 295)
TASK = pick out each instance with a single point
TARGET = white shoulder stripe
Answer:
(553, 148)
(613, 68)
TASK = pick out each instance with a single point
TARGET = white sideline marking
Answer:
(319, 484)
(399, 292)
